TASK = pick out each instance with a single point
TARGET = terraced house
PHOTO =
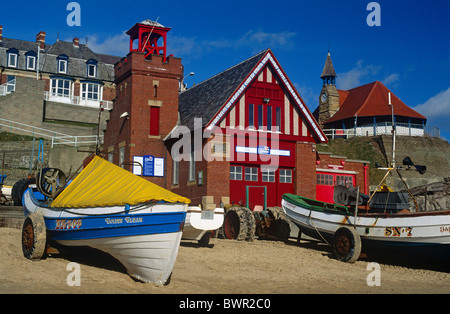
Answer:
(54, 87)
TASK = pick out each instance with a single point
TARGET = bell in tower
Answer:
(151, 38)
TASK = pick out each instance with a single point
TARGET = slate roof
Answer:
(78, 56)
(371, 100)
(206, 98)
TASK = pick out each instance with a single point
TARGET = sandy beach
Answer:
(225, 267)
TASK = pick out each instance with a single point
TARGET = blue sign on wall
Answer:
(149, 165)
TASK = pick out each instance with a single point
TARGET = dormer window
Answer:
(31, 60)
(92, 68)
(63, 61)
(13, 56)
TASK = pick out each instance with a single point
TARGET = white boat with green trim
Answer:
(347, 232)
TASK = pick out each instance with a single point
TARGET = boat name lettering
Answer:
(113, 221)
(68, 224)
(445, 229)
(133, 219)
(128, 220)
(398, 231)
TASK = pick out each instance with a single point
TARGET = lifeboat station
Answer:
(244, 136)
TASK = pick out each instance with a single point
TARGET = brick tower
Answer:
(146, 105)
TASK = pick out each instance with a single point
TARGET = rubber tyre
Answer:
(281, 227)
(346, 245)
(19, 188)
(239, 224)
(34, 237)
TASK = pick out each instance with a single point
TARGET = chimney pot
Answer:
(1, 32)
(40, 38)
(76, 42)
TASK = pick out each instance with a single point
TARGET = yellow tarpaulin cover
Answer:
(103, 184)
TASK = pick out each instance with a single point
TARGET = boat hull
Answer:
(415, 231)
(199, 222)
(145, 238)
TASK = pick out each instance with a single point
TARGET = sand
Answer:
(226, 266)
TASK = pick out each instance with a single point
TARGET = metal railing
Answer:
(56, 138)
(77, 100)
(384, 128)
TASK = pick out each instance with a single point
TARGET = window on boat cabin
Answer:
(285, 176)
(344, 180)
(251, 174)
(235, 173)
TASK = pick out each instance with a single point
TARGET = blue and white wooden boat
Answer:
(135, 221)
(347, 231)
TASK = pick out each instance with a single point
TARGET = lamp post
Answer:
(182, 88)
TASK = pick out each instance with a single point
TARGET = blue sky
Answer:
(409, 52)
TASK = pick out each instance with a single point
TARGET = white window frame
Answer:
(61, 62)
(268, 175)
(92, 66)
(55, 88)
(12, 64)
(10, 84)
(236, 173)
(251, 174)
(87, 94)
(29, 58)
(285, 175)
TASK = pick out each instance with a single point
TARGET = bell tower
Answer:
(151, 38)
(329, 96)
(146, 105)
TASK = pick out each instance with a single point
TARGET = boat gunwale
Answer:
(349, 212)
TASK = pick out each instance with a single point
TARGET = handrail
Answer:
(56, 138)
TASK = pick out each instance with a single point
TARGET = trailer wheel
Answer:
(346, 245)
(34, 237)
(239, 224)
(19, 188)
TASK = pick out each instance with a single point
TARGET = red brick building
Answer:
(244, 133)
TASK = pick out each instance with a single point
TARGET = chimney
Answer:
(1, 32)
(76, 42)
(40, 38)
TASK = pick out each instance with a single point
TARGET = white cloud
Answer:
(182, 46)
(117, 45)
(281, 39)
(437, 106)
(391, 79)
(355, 76)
